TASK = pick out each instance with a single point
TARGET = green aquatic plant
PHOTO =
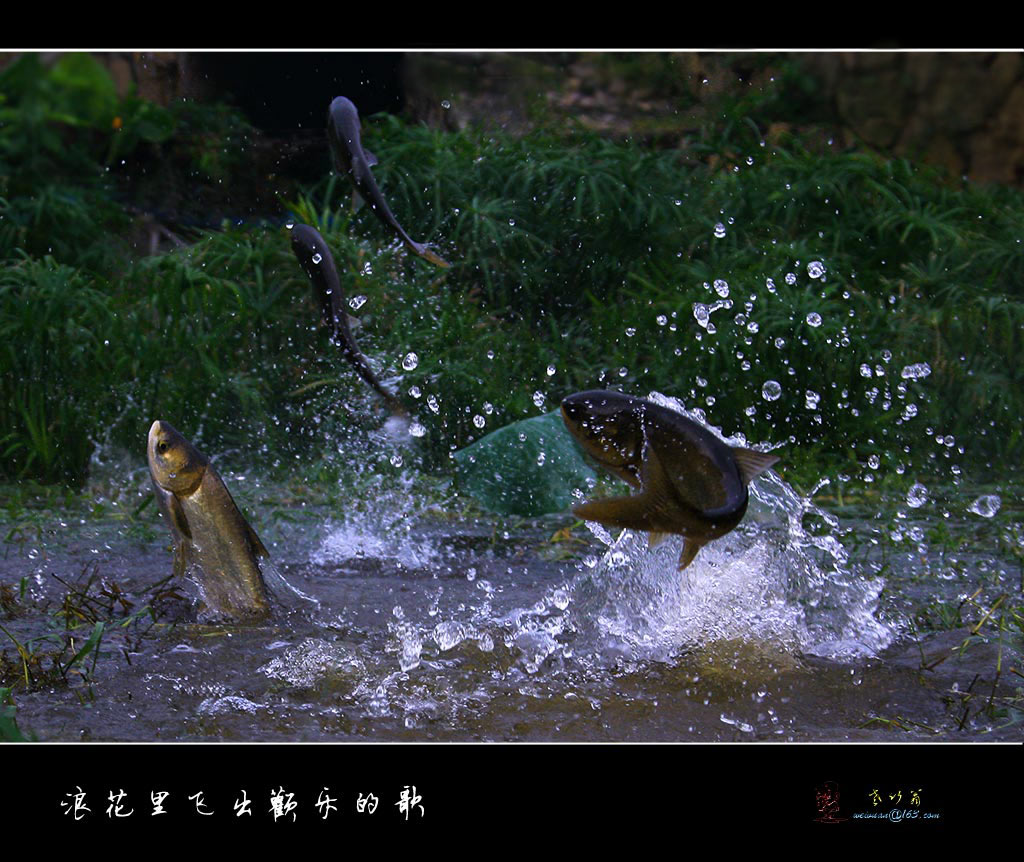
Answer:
(9, 730)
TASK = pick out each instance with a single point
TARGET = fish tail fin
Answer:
(433, 257)
(751, 463)
(424, 251)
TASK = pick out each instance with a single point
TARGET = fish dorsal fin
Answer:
(371, 159)
(751, 463)
(257, 546)
(690, 548)
(655, 539)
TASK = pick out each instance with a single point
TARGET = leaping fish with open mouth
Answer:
(351, 159)
(691, 483)
(207, 527)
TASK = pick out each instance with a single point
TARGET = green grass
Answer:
(569, 251)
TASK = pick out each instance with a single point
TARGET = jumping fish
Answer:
(207, 527)
(350, 158)
(691, 483)
(316, 260)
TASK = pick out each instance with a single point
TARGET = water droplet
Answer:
(445, 104)
(417, 430)
(317, 257)
(916, 371)
(415, 391)
(448, 634)
(812, 399)
(790, 278)
(357, 302)
(751, 410)
(815, 269)
(917, 496)
(410, 362)
(541, 458)
(771, 390)
(986, 506)
(490, 354)
(721, 287)
(396, 460)
(719, 230)
(433, 404)
(873, 462)
(551, 370)
(752, 327)
(814, 319)
(661, 319)
(538, 399)
(865, 371)
(479, 421)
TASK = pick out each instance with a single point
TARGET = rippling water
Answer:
(403, 623)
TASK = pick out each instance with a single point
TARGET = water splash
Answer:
(773, 579)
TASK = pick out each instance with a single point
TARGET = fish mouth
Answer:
(159, 432)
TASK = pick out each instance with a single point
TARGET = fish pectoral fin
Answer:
(181, 558)
(751, 463)
(658, 492)
(629, 512)
(371, 159)
(690, 548)
(178, 519)
(654, 539)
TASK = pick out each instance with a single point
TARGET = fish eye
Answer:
(162, 446)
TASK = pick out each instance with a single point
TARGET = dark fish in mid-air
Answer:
(691, 483)
(207, 528)
(350, 158)
(316, 260)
